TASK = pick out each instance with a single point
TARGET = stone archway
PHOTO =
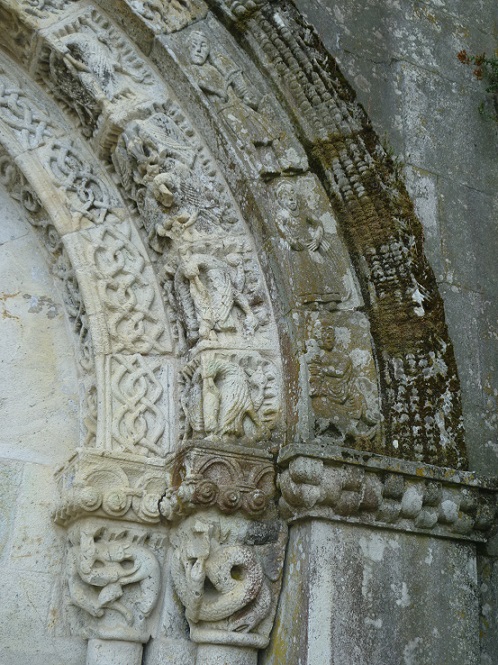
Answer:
(245, 278)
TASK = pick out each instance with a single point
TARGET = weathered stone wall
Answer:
(39, 409)
(401, 59)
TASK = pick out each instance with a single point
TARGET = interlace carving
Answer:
(28, 121)
(138, 422)
(135, 317)
(89, 194)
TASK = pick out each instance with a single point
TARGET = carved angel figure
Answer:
(337, 396)
(207, 290)
(88, 56)
(169, 14)
(89, 73)
(241, 106)
(156, 166)
(149, 147)
(219, 399)
(102, 569)
(310, 253)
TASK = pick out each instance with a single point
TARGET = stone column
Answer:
(381, 563)
(109, 506)
(228, 547)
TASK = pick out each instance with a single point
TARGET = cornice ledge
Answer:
(324, 481)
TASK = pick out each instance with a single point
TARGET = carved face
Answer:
(288, 198)
(328, 339)
(199, 49)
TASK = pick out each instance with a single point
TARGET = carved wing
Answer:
(121, 161)
(235, 400)
(186, 306)
(221, 292)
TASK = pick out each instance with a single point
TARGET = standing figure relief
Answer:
(243, 109)
(208, 290)
(222, 399)
(311, 255)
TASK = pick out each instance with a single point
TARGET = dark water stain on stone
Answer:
(42, 304)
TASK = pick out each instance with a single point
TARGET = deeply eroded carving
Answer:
(226, 574)
(114, 578)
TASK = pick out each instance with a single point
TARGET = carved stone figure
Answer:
(114, 578)
(221, 584)
(221, 399)
(320, 269)
(338, 401)
(89, 57)
(90, 67)
(208, 289)
(147, 148)
(168, 15)
(242, 108)
(156, 165)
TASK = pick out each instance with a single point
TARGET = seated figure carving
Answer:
(339, 403)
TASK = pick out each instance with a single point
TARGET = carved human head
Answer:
(287, 197)
(328, 338)
(199, 47)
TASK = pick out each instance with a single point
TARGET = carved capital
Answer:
(102, 484)
(114, 578)
(231, 478)
(343, 485)
(226, 571)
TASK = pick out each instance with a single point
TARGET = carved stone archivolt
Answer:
(208, 278)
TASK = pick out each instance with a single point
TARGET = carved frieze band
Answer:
(341, 485)
(234, 479)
